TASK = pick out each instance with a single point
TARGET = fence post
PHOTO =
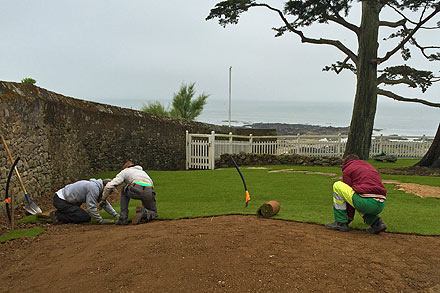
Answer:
(339, 144)
(187, 150)
(250, 142)
(297, 144)
(380, 144)
(230, 143)
(211, 150)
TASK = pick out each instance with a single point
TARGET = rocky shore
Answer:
(294, 129)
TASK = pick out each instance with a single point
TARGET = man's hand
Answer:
(106, 221)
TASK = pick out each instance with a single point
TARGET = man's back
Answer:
(76, 193)
(362, 177)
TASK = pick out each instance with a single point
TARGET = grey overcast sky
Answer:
(107, 50)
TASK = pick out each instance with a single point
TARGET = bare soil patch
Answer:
(219, 254)
(302, 171)
(417, 189)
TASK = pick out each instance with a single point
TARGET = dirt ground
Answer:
(219, 254)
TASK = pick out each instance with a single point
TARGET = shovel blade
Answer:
(32, 208)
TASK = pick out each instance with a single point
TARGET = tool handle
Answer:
(239, 172)
(248, 198)
(15, 168)
(10, 200)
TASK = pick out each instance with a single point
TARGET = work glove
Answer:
(117, 216)
(106, 221)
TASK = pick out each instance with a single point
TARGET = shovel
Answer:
(31, 207)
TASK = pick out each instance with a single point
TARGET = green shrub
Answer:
(28, 80)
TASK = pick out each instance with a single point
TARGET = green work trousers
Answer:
(368, 208)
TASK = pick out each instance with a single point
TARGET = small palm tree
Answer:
(155, 108)
(184, 107)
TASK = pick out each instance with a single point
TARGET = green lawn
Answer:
(20, 233)
(303, 197)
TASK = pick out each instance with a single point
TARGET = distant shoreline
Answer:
(295, 129)
(304, 129)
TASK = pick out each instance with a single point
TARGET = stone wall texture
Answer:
(62, 139)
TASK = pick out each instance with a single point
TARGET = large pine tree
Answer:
(414, 16)
(432, 157)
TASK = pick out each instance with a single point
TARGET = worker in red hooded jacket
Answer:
(361, 189)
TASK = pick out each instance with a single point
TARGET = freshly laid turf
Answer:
(303, 197)
(20, 233)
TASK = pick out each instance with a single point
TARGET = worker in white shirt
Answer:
(138, 185)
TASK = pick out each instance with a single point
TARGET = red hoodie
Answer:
(363, 178)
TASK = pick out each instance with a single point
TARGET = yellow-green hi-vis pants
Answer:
(369, 208)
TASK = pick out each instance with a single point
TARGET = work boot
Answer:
(338, 226)
(122, 221)
(137, 218)
(54, 218)
(377, 227)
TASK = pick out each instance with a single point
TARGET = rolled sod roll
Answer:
(269, 209)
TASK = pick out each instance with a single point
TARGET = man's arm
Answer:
(346, 178)
(110, 210)
(111, 187)
(91, 200)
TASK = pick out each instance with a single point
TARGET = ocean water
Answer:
(392, 117)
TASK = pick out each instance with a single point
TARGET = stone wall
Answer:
(62, 139)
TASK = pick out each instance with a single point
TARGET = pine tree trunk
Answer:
(364, 109)
(432, 157)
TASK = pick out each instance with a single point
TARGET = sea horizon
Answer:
(392, 117)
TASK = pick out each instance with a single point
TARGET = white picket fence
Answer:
(203, 149)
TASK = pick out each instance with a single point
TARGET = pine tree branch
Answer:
(409, 20)
(410, 35)
(423, 49)
(403, 99)
(304, 39)
(393, 24)
(387, 81)
(339, 20)
(342, 65)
